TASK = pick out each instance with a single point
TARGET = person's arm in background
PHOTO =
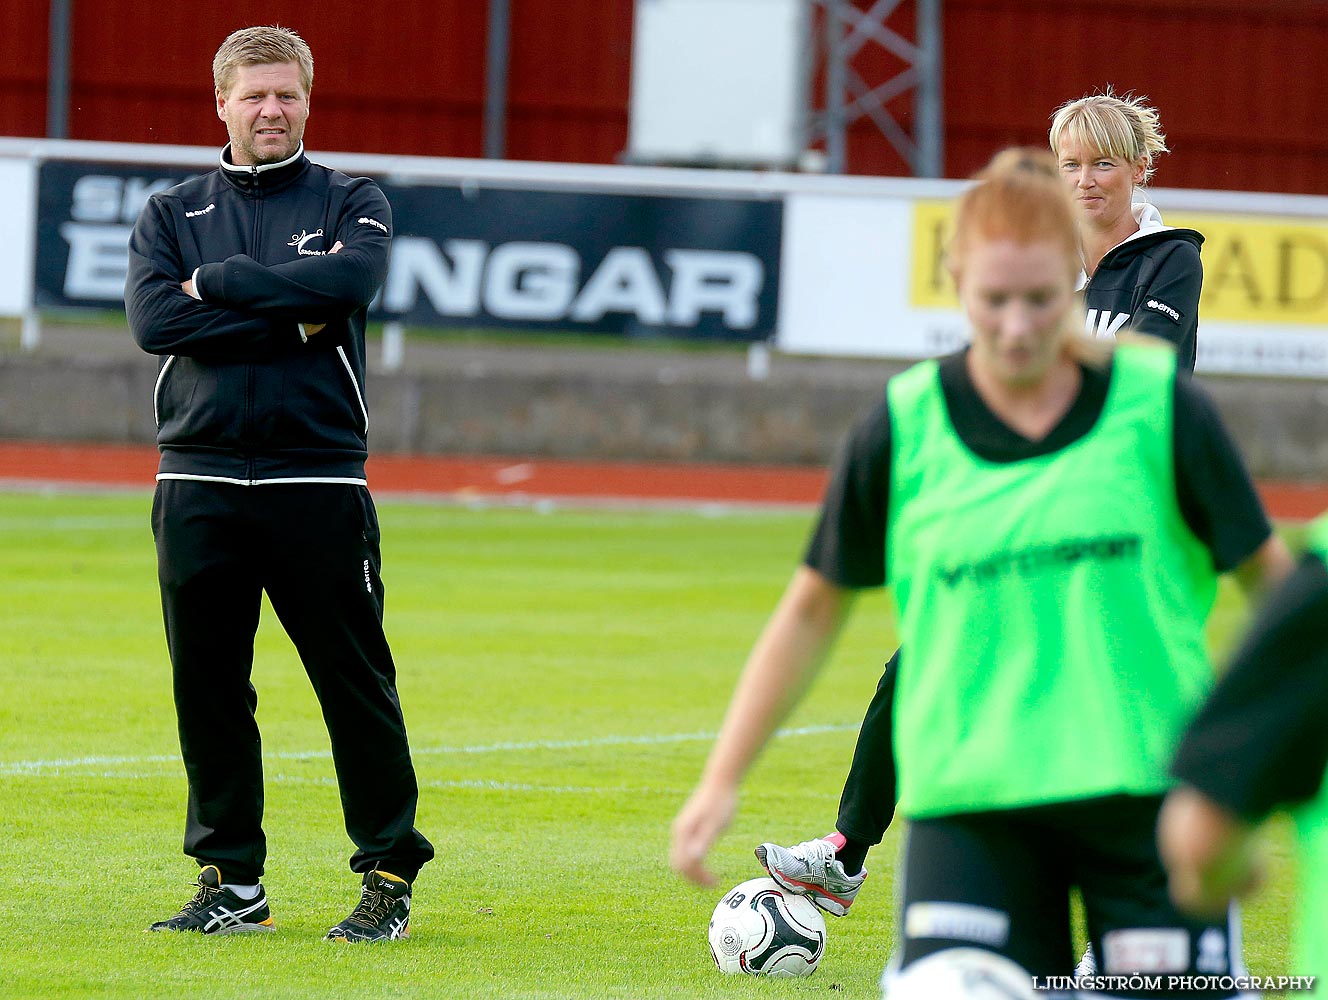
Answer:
(1175, 288)
(1218, 498)
(1259, 743)
(791, 648)
(1261, 573)
(846, 554)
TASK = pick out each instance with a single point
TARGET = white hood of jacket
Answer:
(1149, 220)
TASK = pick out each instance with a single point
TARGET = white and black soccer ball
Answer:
(960, 974)
(758, 929)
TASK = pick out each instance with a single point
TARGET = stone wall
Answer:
(661, 407)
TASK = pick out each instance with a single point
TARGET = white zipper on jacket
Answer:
(156, 389)
(359, 396)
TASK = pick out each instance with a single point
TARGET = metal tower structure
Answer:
(848, 29)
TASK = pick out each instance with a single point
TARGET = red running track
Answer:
(455, 477)
(32, 462)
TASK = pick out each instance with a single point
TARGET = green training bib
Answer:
(1052, 608)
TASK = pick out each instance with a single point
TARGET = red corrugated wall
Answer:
(388, 77)
(23, 46)
(570, 78)
(1241, 86)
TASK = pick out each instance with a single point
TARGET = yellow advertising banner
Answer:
(1257, 268)
(931, 286)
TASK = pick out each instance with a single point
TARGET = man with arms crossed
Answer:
(252, 283)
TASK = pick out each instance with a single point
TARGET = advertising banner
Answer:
(17, 182)
(641, 265)
(867, 277)
(824, 265)
(85, 214)
(636, 264)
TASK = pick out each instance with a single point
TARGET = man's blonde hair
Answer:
(260, 45)
(1124, 126)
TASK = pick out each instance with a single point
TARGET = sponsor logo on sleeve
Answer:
(364, 220)
(200, 211)
(1158, 306)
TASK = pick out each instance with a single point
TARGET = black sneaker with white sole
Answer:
(383, 913)
(217, 910)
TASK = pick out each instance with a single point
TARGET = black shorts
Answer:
(1001, 881)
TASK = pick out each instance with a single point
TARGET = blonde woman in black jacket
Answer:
(1139, 274)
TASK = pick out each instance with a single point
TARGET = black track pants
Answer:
(867, 804)
(314, 548)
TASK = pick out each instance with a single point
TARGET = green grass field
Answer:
(561, 672)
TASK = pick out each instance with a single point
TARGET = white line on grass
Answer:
(30, 767)
(490, 785)
(67, 525)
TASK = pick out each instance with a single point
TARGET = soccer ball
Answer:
(960, 974)
(761, 930)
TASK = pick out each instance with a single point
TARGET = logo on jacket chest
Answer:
(298, 241)
(1104, 323)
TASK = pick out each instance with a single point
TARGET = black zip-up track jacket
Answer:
(1150, 284)
(241, 395)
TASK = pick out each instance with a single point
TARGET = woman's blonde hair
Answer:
(258, 46)
(1124, 126)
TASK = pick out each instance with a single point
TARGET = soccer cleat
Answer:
(216, 910)
(1088, 964)
(383, 913)
(810, 869)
